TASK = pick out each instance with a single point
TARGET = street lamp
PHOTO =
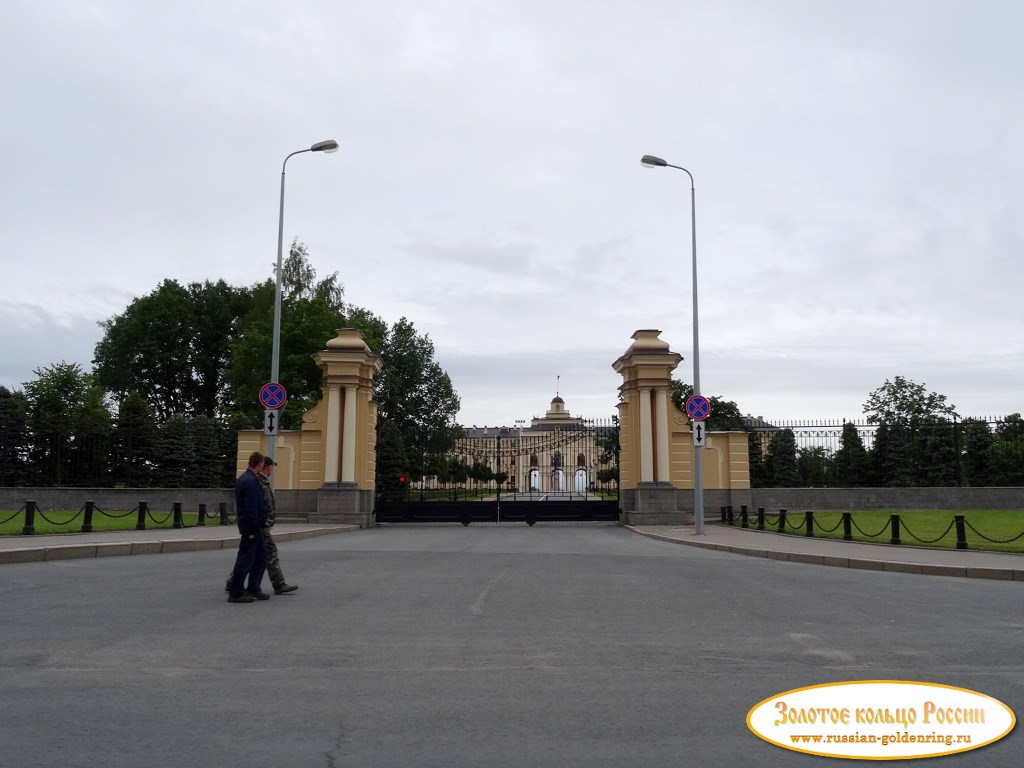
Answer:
(650, 161)
(330, 145)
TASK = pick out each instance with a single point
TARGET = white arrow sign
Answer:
(270, 419)
(700, 434)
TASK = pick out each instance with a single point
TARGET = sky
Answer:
(857, 169)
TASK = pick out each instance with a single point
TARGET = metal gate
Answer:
(562, 472)
(518, 511)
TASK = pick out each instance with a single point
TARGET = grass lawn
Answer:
(918, 527)
(71, 522)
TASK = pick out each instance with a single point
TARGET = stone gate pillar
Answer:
(646, 493)
(348, 431)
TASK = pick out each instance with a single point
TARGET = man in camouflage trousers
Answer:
(273, 561)
(281, 587)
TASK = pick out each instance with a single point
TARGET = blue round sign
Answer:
(273, 396)
(698, 407)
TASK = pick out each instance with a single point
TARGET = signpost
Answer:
(272, 397)
(698, 408)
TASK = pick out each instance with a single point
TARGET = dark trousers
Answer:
(250, 563)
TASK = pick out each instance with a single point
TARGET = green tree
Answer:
(781, 460)
(311, 311)
(413, 392)
(976, 442)
(436, 465)
(69, 427)
(172, 346)
(194, 453)
(135, 446)
(934, 459)
(1006, 463)
(759, 476)
(480, 472)
(458, 471)
(392, 462)
(917, 442)
(14, 445)
(815, 467)
(1006, 454)
(901, 401)
(1010, 428)
(851, 460)
(889, 462)
(609, 449)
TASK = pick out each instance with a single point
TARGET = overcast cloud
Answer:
(858, 172)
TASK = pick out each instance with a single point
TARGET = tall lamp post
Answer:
(522, 467)
(650, 161)
(330, 145)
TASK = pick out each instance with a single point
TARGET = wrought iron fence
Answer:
(196, 452)
(573, 460)
(985, 451)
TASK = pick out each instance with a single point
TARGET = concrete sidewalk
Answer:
(844, 554)
(67, 546)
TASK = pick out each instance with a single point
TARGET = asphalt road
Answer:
(407, 646)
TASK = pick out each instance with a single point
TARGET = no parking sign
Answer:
(698, 407)
(273, 396)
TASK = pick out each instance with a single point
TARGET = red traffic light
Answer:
(401, 479)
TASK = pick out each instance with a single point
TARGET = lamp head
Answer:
(650, 161)
(330, 145)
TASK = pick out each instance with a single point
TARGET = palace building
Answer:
(556, 453)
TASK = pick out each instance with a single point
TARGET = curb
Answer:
(891, 566)
(153, 547)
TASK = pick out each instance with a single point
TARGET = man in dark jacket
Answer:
(251, 518)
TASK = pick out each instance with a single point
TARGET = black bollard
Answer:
(30, 518)
(729, 516)
(723, 513)
(895, 520)
(961, 532)
(223, 507)
(202, 515)
(760, 518)
(782, 521)
(744, 516)
(847, 526)
(143, 510)
(87, 521)
(176, 508)
(808, 523)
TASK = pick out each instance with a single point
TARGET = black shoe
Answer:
(284, 589)
(258, 595)
(246, 598)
